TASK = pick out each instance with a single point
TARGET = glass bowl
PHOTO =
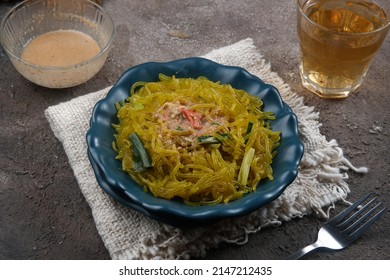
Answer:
(30, 19)
(123, 189)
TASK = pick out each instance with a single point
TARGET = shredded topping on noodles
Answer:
(194, 139)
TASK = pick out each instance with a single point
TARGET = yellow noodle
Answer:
(199, 174)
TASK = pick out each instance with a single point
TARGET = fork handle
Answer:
(300, 253)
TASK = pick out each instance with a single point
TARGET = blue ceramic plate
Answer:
(122, 188)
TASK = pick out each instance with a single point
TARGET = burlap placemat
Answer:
(129, 235)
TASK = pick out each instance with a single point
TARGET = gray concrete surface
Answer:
(43, 214)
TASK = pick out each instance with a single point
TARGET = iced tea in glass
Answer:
(338, 40)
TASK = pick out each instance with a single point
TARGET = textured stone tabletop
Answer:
(43, 214)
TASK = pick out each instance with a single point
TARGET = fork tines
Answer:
(359, 216)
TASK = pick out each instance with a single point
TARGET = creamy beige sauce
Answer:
(176, 129)
(60, 48)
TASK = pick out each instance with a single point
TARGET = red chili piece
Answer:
(192, 117)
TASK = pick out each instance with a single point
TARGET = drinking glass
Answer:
(338, 40)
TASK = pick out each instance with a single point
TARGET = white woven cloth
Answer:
(129, 235)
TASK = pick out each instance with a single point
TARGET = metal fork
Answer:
(346, 227)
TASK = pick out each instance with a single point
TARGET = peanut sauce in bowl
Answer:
(57, 44)
(60, 48)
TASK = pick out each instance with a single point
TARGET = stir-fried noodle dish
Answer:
(194, 139)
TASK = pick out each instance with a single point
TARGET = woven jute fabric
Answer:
(127, 234)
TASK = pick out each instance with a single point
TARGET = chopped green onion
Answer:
(141, 160)
(119, 104)
(208, 139)
(248, 131)
(246, 166)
